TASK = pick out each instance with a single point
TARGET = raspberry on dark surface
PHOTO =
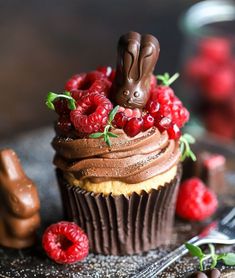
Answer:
(65, 242)
(195, 201)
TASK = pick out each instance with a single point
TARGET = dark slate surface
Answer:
(36, 155)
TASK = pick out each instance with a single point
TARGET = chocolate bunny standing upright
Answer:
(137, 56)
(19, 203)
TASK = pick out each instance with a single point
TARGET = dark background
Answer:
(44, 42)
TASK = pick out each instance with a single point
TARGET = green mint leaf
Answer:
(108, 142)
(194, 250)
(51, 97)
(113, 113)
(166, 79)
(189, 138)
(173, 78)
(50, 105)
(110, 134)
(214, 257)
(96, 135)
(228, 258)
(185, 141)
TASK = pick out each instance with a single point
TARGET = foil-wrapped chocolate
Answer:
(19, 203)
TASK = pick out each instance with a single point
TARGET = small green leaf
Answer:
(166, 79)
(228, 258)
(113, 113)
(108, 142)
(189, 138)
(50, 105)
(110, 134)
(96, 135)
(194, 250)
(185, 141)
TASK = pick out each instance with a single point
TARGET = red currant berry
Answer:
(120, 120)
(148, 122)
(153, 108)
(174, 132)
(133, 126)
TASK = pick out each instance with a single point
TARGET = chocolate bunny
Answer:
(137, 56)
(19, 203)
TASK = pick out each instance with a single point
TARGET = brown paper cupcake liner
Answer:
(121, 225)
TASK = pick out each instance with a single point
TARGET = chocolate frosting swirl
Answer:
(130, 160)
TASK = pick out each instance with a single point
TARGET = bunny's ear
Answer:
(149, 52)
(10, 166)
(128, 52)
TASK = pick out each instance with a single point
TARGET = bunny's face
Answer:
(137, 56)
(132, 95)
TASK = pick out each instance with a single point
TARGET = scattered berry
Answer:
(195, 201)
(65, 242)
(91, 114)
(133, 126)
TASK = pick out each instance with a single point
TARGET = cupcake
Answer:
(117, 150)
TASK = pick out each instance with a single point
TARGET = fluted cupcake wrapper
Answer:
(121, 225)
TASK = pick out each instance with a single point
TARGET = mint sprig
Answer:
(185, 141)
(107, 134)
(227, 258)
(166, 79)
(51, 97)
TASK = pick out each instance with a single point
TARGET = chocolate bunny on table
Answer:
(137, 56)
(19, 203)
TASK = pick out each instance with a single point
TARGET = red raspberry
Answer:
(219, 86)
(216, 49)
(92, 82)
(108, 72)
(195, 200)
(91, 114)
(64, 125)
(120, 120)
(75, 82)
(65, 242)
(148, 122)
(153, 82)
(199, 68)
(133, 126)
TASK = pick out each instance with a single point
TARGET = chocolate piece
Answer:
(210, 168)
(119, 225)
(137, 56)
(19, 209)
(209, 273)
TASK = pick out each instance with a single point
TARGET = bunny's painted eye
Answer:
(136, 94)
(126, 93)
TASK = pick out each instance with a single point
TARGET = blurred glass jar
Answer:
(208, 64)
